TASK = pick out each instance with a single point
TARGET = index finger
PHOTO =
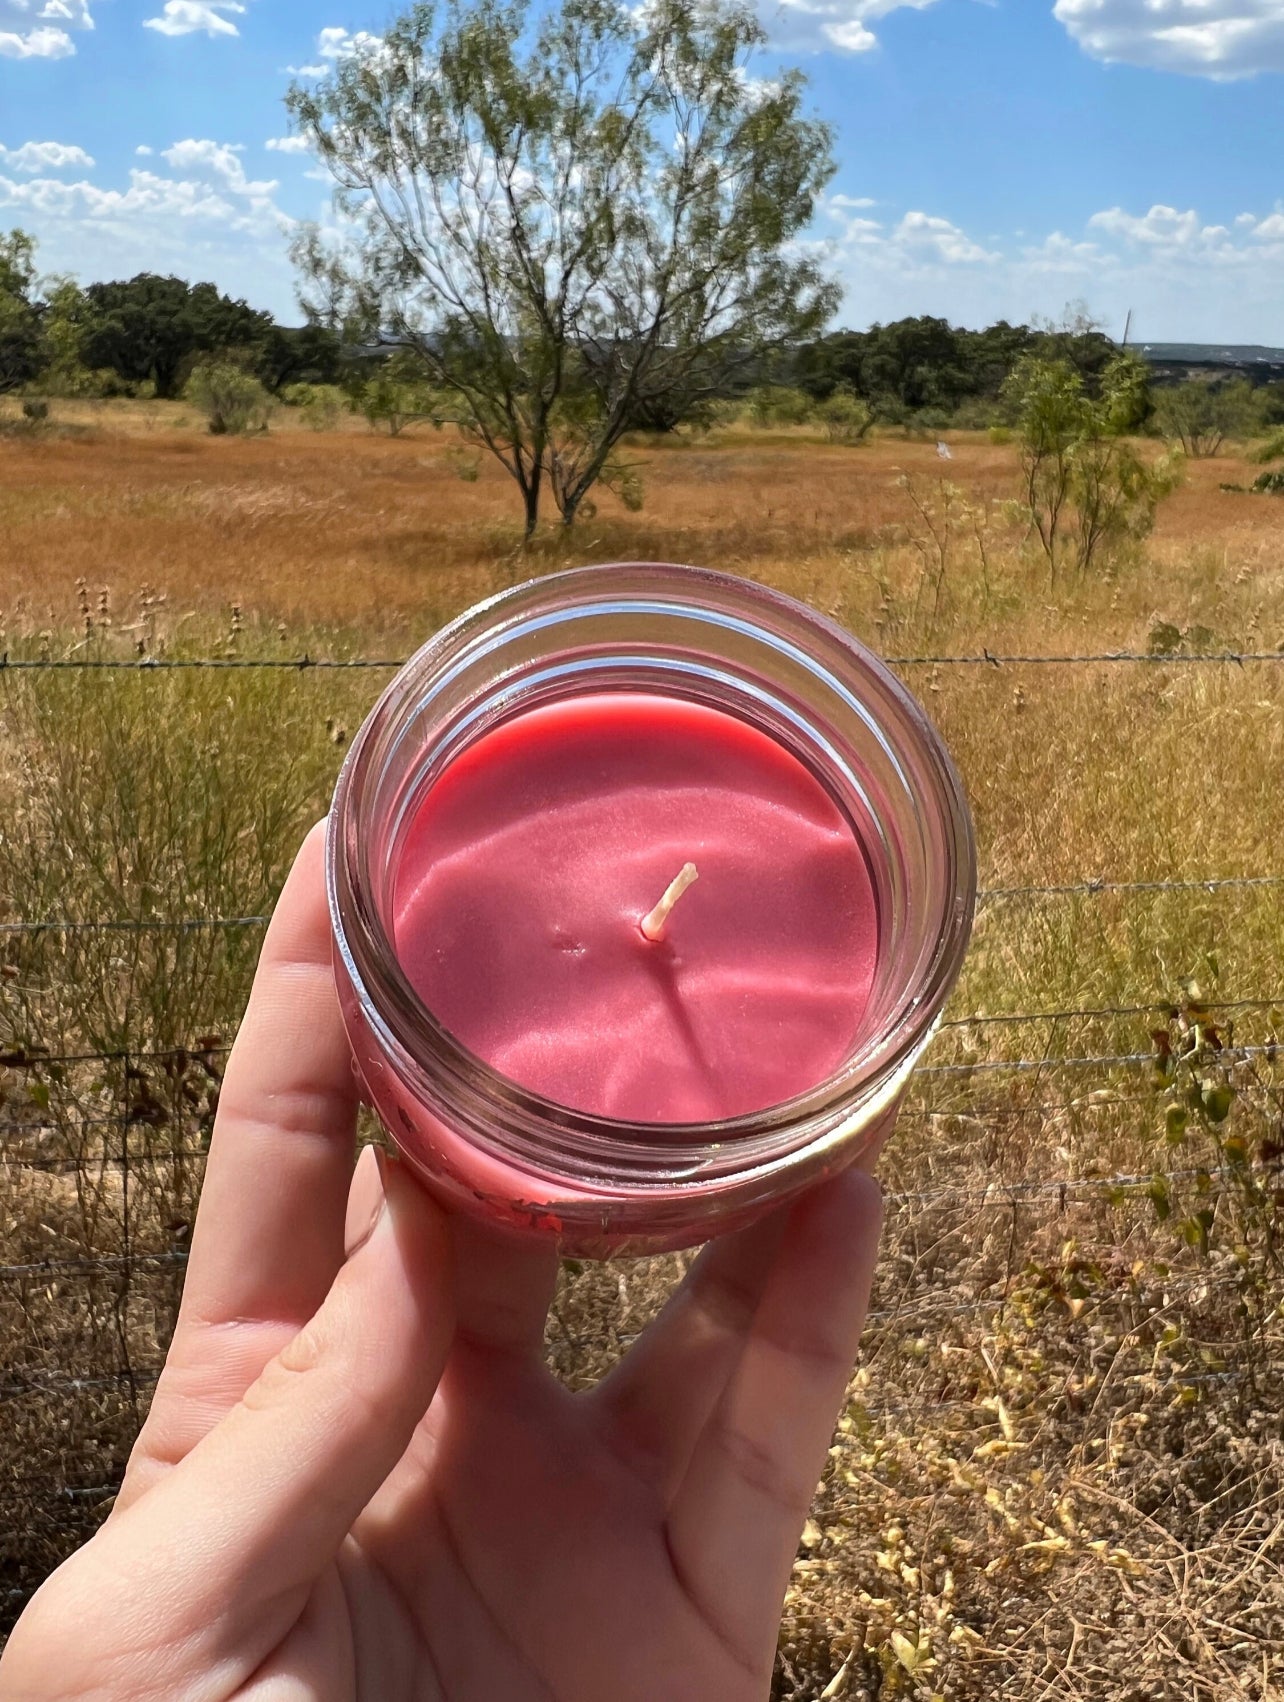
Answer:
(269, 1237)
(269, 1234)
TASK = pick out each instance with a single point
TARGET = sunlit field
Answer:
(1059, 1472)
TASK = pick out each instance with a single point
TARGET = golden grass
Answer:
(1058, 1474)
(350, 528)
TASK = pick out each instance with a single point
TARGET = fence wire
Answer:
(1000, 1193)
(1092, 888)
(37, 1381)
(914, 1312)
(974, 1019)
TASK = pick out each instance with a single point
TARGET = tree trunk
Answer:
(530, 502)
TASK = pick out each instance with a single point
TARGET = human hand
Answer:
(358, 1480)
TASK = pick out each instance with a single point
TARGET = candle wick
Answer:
(653, 922)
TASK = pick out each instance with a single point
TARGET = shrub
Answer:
(232, 399)
(1202, 416)
(464, 463)
(845, 417)
(1270, 449)
(976, 413)
(1086, 492)
(779, 405)
(397, 394)
(320, 404)
(1270, 483)
(931, 422)
(889, 410)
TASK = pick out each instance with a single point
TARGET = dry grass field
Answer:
(1059, 1474)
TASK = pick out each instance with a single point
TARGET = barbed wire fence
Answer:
(94, 1324)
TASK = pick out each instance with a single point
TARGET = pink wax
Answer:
(528, 867)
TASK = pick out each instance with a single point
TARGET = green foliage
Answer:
(920, 363)
(320, 404)
(772, 405)
(581, 218)
(153, 327)
(890, 411)
(395, 393)
(1270, 448)
(305, 354)
(119, 338)
(1270, 405)
(931, 422)
(1198, 1073)
(1086, 492)
(1166, 638)
(977, 413)
(1202, 416)
(20, 341)
(845, 417)
(65, 322)
(1270, 483)
(232, 399)
(17, 263)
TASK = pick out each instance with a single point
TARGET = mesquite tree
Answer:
(576, 216)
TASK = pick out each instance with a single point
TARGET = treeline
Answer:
(927, 365)
(146, 334)
(140, 336)
(155, 336)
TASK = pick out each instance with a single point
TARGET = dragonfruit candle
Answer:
(648, 886)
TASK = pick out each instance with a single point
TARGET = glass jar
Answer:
(601, 1186)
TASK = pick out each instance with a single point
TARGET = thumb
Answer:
(224, 1551)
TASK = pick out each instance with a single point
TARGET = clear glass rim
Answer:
(536, 1133)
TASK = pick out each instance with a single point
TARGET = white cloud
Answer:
(938, 239)
(334, 43)
(1061, 256)
(144, 151)
(287, 144)
(194, 212)
(220, 162)
(195, 17)
(337, 43)
(38, 29)
(1210, 38)
(1165, 229)
(821, 25)
(209, 185)
(1187, 277)
(44, 156)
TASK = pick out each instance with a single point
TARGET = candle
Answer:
(527, 881)
(648, 886)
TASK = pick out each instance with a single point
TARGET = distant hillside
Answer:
(1254, 361)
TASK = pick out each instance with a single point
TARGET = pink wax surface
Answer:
(528, 867)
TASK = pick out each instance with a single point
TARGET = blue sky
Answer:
(999, 158)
